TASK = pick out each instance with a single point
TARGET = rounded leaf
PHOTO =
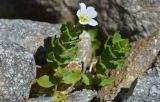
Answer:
(72, 77)
(44, 81)
(87, 79)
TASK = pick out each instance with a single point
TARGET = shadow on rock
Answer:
(40, 55)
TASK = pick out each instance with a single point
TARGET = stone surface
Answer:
(60, 9)
(29, 34)
(17, 70)
(147, 87)
(133, 18)
(128, 16)
(84, 95)
(41, 99)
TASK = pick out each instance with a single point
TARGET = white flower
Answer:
(86, 15)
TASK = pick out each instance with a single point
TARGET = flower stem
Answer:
(55, 89)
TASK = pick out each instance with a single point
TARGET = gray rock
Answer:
(29, 34)
(84, 95)
(60, 9)
(41, 99)
(147, 88)
(134, 18)
(131, 17)
(17, 70)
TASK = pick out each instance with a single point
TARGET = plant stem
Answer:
(55, 89)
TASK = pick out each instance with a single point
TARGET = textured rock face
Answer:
(82, 96)
(31, 35)
(17, 70)
(131, 17)
(128, 16)
(16, 60)
(147, 88)
(60, 8)
(27, 33)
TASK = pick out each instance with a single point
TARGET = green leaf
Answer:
(100, 76)
(70, 32)
(93, 33)
(116, 37)
(60, 72)
(87, 79)
(52, 64)
(105, 81)
(124, 43)
(111, 52)
(44, 81)
(72, 77)
(69, 53)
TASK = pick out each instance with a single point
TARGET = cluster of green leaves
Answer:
(62, 51)
(114, 54)
(63, 76)
(63, 48)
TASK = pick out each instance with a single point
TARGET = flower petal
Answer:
(78, 13)
(91, 12)
(92, 22)
(82, 7)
